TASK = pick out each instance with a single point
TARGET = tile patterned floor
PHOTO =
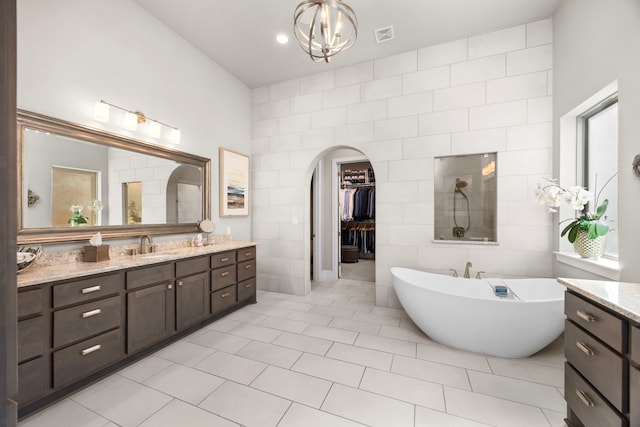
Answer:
(329, 359)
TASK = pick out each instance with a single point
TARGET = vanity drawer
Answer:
(634, 396)
(587, 404)
(246, 270)
(149, 275)
(77, 323)
(30, 302)
(245, 254)
(192, 266)
(607, 327)
(86, 289)
(31, 380)
(597, 363)
(223, 277)
(83, 358)
(247, 289)
(31, 338)
(223, 298)
(223, 258)
(635, 344)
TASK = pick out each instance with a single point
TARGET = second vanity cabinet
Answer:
(72, 332)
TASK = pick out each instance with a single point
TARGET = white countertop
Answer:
(621, 297)
(38, 275)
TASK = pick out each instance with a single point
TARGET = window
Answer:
(598, 128)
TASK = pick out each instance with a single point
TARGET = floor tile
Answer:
(390, 345)
(184, 383)
(271, 354)
(355, 307)
(121, 400)
(294, 386)
(299, 415)
(377, 318)
(368, 408)
(556, 419)
(223, 325)
(303, 316)
(231, 367)
(246, 316)
(524, 370)
(185, 353)
(268, 310)
(331, 334)
(526, 392)
(64, 413)
(491, 410)
(430, 371)
(219, 340)
(453, 357)
(255, 332)
(145, 368)
(333, 311)
(178, 413)
(411, 390)
(389, 311)
(362, 356)
(246, 406)
(329, 369)
(303, 343)
(401, 333)
(282, 324)
(355, 325)
(430, 418)
(293, 305)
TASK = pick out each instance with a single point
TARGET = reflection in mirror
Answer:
(465, 198)
(77, 180)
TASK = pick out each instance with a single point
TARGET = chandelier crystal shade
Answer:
(324, 28)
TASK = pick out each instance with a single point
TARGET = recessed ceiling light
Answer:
(282, 38)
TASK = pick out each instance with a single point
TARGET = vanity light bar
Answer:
(132, 119)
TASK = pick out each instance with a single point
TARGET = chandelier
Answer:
(325, 28)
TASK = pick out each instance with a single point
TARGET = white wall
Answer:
(490, 92)
(72, 53)
(596, 43)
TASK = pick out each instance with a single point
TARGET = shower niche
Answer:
(465, 198)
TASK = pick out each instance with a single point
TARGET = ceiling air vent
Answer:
(384, 34)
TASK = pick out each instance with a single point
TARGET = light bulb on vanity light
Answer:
(174, 136)
(155, 129)
(101, 111)
(130, 121)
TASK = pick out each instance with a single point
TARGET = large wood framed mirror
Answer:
(74, 181)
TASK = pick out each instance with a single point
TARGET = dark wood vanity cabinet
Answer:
(601, 370)
(73, 331)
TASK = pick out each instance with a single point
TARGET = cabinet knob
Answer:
(90, 289)
(224, 274)
(226, 294)
(180, 283)
(248, 285)
(247, 254)
(169, 286)
(225, 259)
(585, 316)
(246, 267)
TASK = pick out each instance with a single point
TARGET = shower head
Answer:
(460, 184)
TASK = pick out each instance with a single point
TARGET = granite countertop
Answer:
(39, 275)
(621, 297)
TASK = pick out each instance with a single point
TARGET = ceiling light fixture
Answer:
(282, 38)
(134, 118)
(325, 28)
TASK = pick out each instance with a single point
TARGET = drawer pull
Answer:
(585, 399)
(91, 313)
(246, 267)
(584, 316)
(224, 274)
(180, 283)
(91, 289)
(226, 294)
(225, 259)
(90, 349)
(585, 348)
(169, 286)
(248, 285)
(248, 254)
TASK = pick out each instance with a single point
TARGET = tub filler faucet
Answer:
(466, 270)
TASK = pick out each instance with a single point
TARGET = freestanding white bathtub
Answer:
(466, 314)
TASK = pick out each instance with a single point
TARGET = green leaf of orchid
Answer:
(572, 234)
(592, 230)
(602, 209)
(601, 229)
(569, 227)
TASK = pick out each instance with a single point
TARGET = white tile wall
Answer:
(489, 92)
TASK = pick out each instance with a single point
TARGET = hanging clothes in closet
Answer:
(357, 204)
(362, 235)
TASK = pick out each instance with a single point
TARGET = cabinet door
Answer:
(192, 300)
(150, 315)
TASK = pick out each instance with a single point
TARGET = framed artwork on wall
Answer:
(234, 183)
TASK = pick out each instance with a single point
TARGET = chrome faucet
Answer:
(454, 273)
(466, 270)
(146, 247)
(478, 274)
